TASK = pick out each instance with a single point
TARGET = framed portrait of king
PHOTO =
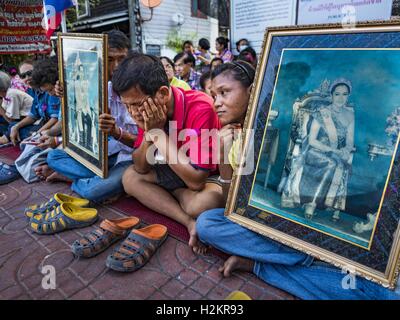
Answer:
(320, 163)
(83, 74)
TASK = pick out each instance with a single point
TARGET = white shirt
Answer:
(123, 120)
(17, 104)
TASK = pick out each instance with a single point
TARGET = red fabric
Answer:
(193, 113)
(132, 207)
(11, 153)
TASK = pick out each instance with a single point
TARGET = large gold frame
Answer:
(103, 83)
(386, 279)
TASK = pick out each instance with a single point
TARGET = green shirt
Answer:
(180, 84)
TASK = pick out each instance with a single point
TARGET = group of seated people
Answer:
(159, 156)
(194, 66)
(35, 110)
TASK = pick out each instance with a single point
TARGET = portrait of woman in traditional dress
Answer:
(323, 167)
(332, 165)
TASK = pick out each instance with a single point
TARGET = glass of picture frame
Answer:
(83, 76)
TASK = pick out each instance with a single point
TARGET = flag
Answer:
(52, 13)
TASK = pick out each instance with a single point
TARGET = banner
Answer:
(249, 18)
(21, 29)
(343, 11)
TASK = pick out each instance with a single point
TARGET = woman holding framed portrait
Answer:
(306, 75)
(276, 264)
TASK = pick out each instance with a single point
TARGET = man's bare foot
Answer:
(56, 177)
(4, 140)
(43, 171)
(236, 263)
(194, 242)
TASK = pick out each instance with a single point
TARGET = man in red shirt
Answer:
(174, 147)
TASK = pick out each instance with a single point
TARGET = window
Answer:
(153, 49)
(396, 8)
(82, 9)
(200, 8)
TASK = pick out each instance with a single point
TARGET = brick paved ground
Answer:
(174, 272)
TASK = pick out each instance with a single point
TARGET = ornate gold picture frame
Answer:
(326, 174)
(83, 72)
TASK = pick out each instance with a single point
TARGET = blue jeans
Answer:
(3, 126)
(25, 132)
(283, 267)
(85, 182)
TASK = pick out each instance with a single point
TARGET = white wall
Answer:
(156, 30)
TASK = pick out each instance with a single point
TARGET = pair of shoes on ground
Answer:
(8, 173)
(133, 253)
(61, 212)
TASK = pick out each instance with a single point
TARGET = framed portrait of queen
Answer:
(83, 74)
(322, 133)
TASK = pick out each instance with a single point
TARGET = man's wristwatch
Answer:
(224, 181)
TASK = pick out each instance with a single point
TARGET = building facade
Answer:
(178, 19)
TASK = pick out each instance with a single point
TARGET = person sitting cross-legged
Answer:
(173, 124)
(14, 105)
(42, 116)
(120, 127)
(45, 106)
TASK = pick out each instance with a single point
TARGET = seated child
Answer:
(15, 106)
